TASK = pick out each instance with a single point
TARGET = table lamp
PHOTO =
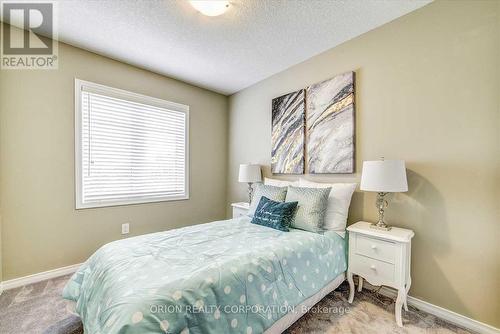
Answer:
(249, 174)
(383, 177)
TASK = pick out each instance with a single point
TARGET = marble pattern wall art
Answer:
(287, 136)
(330, 125)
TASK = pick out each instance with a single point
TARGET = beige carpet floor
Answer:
(39, 308)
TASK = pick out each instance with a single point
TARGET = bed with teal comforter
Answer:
(223, 277)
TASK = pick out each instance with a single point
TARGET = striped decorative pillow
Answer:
(273, 193)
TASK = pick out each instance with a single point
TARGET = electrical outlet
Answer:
(125, 228)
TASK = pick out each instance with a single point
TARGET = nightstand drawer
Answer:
(381, 257)
(375, 248)
(240, 209)
(239, 212)
(375, 271)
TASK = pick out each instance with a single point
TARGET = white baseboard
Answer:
(21, 281)
(445, 314)
(450, 316)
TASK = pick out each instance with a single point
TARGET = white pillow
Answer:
(338, 203)
(279, 183)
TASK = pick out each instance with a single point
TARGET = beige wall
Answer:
(427, 92)
(41, 228)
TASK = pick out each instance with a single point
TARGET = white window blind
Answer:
(130, 148)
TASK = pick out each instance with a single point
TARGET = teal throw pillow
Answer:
(277, 215)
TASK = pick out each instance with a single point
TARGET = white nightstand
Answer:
(382, 258)
(240, 209)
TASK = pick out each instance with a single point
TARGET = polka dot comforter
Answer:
(223, 277)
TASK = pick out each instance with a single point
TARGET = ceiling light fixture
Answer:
(210, 7)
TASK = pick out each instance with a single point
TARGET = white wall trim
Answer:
(445, 314)
(440, 312)
(30, 279)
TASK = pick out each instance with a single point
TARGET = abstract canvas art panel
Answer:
(330, 125)
(288, 117)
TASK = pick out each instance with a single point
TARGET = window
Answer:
(129, 148)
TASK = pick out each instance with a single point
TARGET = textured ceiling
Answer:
(251, 41)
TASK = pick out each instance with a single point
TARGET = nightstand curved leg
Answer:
(360, 284)
(399, 303)
(407, 289)
(351, 287)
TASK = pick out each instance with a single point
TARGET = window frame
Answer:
(133, 97)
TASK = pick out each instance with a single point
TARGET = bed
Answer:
(220, 277)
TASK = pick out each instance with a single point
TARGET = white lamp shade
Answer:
(388, 176)
(210, 7)
(250, 173)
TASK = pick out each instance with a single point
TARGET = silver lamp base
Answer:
(381, 205)
(250, 192)
(383, 227)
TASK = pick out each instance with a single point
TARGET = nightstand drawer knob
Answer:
(374, 246)
(372, 267)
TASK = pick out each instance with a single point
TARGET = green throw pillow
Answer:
(311, 210)
(277, 194)
(277, 215)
